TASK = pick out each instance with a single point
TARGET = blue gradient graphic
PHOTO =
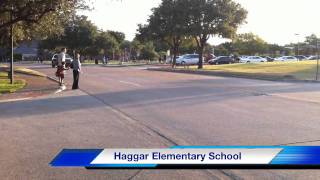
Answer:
(290, 155)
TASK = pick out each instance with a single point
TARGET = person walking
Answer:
(61, 66)
(76, 72)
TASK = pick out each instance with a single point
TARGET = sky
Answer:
(275, 21)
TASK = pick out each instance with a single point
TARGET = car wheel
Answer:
(183, 63)
(248, 61)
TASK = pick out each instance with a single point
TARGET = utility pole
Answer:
(317, 47)
(298, 44)
(11, 37)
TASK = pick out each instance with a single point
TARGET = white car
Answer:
(252, 59)
(170, 58)
(286, 58)
(188, 59)
(54, 60)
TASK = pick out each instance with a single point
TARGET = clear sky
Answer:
(276, 21)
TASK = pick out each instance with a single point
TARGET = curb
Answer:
(14, 100)
(52, 79)
(60, 89)
(224, 74)
(25, 73)
(129, 65)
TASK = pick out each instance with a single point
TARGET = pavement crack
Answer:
(132, 119)
(135, 174)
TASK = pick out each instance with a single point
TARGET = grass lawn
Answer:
(302, 70)
(6, 87)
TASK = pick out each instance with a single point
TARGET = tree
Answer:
(212, 18)
(32, 11)
(119, 36)
(249, 44)
(78, 35)
(52, 23)
(148, 52)
(105, 43)
(167, 23)
(136, 47)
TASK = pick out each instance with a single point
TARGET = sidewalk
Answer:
(36, 86)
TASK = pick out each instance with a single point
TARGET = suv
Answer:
(54, 60)
(188, 59)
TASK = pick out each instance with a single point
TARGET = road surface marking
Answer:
(131, 83)
(13, 100)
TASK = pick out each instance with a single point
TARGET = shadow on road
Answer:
(188, 93)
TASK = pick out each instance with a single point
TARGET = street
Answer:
(131, 107)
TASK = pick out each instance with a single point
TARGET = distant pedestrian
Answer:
(61, 66)
(76, 72)
(104, 59)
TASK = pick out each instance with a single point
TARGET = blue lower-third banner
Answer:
(192, 157)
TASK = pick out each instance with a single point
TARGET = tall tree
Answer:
(167, 23)
(212, 18)
(105, 43)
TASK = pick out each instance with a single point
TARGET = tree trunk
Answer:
(200, 52)
(174, 57)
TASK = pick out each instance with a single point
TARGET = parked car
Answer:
(286, 58)
(169, 59)
(54, 60)
(269, 59)
(301, 58)
(312, 58)
(209, 57)
(222, 60)
(252, 59)
(188, 59)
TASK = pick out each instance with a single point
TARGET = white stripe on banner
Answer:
(187, 156)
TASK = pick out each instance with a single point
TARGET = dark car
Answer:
(269, 59)
(300, 57)
(222, 60)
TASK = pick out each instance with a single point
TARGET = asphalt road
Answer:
(136, 108)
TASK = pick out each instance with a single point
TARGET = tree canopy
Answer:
(32, 11)
(167, 23)
(212, 18)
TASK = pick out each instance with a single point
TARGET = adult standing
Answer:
(104, 59)
(76, 71)
(61, 66)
